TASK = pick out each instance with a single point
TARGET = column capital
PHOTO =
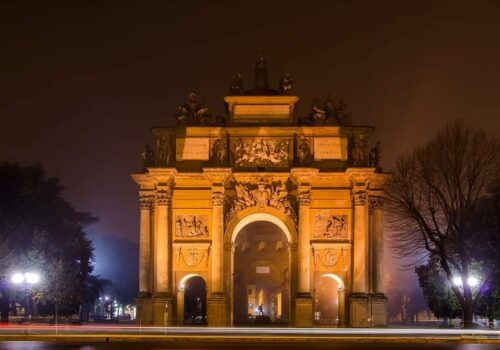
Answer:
(376, 202)
(304, 198)
(359, 197)
(218, 198)
(145, 201)
(164, 196)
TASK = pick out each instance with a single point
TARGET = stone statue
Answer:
(192, 113)
(340, 112)
(261, 74)
(148, 157)
(163, 150)
(236, 86)
(304, 154)
(218, 152)
(360, 149)
(329, 106)
(374, 157)
(318, 113)
(286, 81)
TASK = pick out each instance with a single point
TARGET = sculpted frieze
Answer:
(327, 258)
(261, 195)
(261, 152)
(191, 226)
(330, 226)
(192, 256)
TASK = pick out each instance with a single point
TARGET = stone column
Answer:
(303, 300)
(378, 245)
(359, 307)
(145, 202)
(217, 237)
(162, 299)
(342, 307)
(217, 300)
(163, 200)
(360, 236)
(180, 306)
(304, 243)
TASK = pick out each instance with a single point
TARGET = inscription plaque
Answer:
(330, 148)
(192, 148)
(261, 111)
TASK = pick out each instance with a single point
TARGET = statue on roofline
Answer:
(192, 113)
(261, 73)
(286, 81)
(328, 113)
(148, 157)
(236, 86)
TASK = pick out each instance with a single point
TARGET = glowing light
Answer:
(473, 281)
(17, 278)
(31, 278)
(457, 281)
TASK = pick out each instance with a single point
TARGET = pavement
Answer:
(204, 335)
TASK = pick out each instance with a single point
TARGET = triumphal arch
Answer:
(261, 216)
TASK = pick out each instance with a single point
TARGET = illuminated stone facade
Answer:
(314, 178)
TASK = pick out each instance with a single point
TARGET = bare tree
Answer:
(433, 197)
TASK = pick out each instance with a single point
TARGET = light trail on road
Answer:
(341, 332)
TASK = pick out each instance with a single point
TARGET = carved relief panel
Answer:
(331, 256)
(261, 152)
(191, 226)
(274, 194)
(330, 226)
(189, 256)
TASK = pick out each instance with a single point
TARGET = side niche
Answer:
(191, 226)
(330, 226)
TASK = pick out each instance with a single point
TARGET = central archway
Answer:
(261, 255)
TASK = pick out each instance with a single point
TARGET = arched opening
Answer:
(194, 290)
(261, 275)
(329, 300)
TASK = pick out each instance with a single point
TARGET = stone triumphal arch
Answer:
(261, 216)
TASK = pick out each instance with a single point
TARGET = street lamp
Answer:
(471, 281)
(27, 279)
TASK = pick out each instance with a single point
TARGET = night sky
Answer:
(81, 82)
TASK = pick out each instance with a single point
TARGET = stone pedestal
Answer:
(359, 310)
(380, 316)
(144, 315)
(217, 310)
(163, 311)
(304, 310)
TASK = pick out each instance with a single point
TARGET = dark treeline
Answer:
(43, 233)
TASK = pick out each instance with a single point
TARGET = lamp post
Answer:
(27, 280)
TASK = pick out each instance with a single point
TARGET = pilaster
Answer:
(216, 310)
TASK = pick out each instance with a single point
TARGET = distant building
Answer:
(279, 214)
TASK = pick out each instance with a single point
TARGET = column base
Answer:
(144, 312)
(217, 310)
(303, 310)
(163, 310)
(359, 310)
(380, 315)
